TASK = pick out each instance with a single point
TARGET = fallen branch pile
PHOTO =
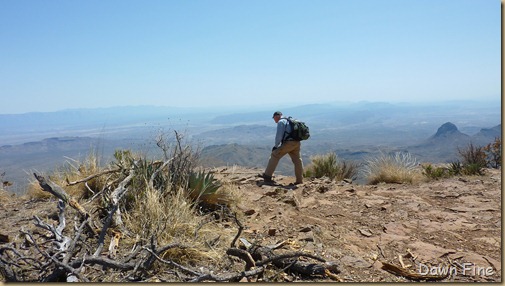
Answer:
(62, 253)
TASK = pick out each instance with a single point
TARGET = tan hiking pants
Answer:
(293, 149)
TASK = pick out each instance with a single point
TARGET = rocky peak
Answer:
(445, 129)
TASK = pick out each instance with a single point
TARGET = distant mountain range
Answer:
(45, 141)
(439, 148)
(443, 145)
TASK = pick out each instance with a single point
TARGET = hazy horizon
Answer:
(273, 107)
(59, 55)
(43, 140)
(467, 114)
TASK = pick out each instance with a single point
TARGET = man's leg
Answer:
(276, 155)
(297, 162)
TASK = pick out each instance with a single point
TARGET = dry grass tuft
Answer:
(162, 216)
(398, 168)
(72, 170)
(5, 196)
(170, 219)
(34, 191)
(227, 197)
(330, 166)
(75, 170)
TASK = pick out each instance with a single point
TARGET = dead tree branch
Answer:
(116, 196)
(60, 193)
(240, 229)
(7, 272)
(411, 275)
(155, 173)
(228, 277)
(93, 176)
(261, 256)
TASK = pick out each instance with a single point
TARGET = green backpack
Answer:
(299, 130)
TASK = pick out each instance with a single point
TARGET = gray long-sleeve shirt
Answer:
(283, 129)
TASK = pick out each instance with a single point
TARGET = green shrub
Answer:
(472, 169)
(436, 172)
(329, 166)
(454, 169)
(386, 168)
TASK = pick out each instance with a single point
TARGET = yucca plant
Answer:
(456, 168)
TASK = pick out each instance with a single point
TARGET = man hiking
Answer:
(284, 144)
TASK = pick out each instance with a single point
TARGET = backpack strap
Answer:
(284, 137)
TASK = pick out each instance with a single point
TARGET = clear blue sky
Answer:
(86, 53)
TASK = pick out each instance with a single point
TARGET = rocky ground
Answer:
(448, 228)
(451, 225)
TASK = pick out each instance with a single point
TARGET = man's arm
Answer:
(281, 128)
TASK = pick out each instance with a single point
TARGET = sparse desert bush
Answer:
(164, 196)
(169, 198)
(435, 172)
(473, 155)
(178, 216)
(474, 159)
(493, 153)
(472, 169)
(444, 171)
(329, 166)
(386, 168)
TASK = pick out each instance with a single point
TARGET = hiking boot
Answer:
(266, 178)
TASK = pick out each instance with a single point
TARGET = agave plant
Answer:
(202, 184)
(456, 168)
